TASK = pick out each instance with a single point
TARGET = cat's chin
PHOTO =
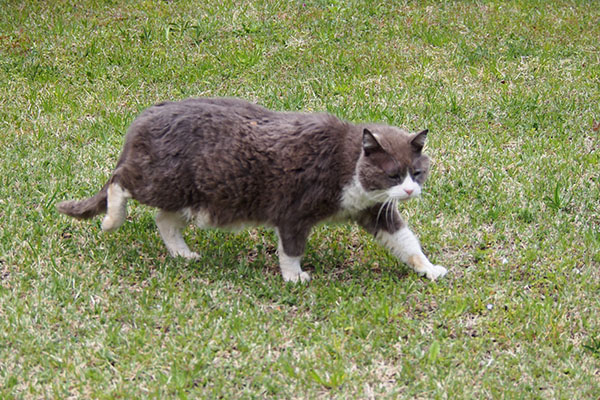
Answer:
(396, 197)
(406, 198)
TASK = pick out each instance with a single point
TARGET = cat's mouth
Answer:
(403, 194)
(405, 190)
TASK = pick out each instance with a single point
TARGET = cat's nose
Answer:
(408, 191)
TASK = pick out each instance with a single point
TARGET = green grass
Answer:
(509, 91)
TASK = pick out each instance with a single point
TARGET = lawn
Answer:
(510, 92)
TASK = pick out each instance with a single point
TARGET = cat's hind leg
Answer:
(116, 207)
(290, 264)
(170, 224)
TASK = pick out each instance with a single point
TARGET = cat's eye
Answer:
(395, 176)
(417, 172)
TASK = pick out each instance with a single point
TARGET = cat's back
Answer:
(175, 116)
(230, 122)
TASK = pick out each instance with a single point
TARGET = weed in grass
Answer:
(593, 346)
(558, 201)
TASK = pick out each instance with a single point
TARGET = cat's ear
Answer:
(418, 142)
(370, 143)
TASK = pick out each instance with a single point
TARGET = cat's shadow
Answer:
(334, 254)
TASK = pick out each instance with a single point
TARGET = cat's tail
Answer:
(85, 209)
(111, 199)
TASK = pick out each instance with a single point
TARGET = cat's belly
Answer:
(202, 219)
(341, 217)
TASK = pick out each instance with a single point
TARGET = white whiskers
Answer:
(390, 205)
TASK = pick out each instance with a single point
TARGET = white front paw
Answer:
(435, 271)
(185, 253)
(296, 277)
(192, 255)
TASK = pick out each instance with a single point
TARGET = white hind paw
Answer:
(109, 224)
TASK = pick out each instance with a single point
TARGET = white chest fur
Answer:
(355, 198)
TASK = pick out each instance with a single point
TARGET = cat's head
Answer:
(392, 164)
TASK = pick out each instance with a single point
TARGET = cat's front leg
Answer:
(405, 245)
(290, 249)
(385, 223)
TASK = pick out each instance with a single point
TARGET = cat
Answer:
(225, 162)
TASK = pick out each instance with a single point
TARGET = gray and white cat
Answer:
(221, 162)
